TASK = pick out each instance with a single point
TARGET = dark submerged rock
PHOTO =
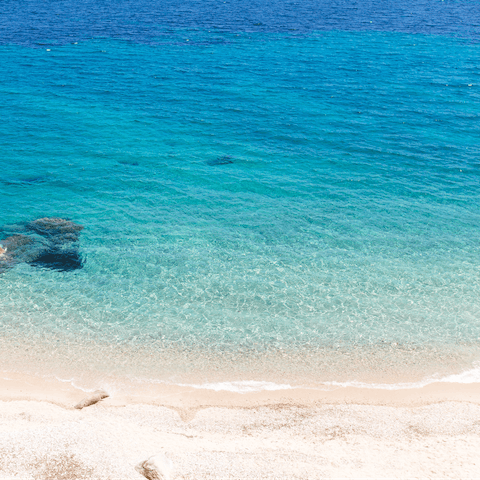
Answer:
(58, 258)
(53, 245)
(25, 181)
(16, 249)
(16, 242)
(56, 229)
(133, 163)
(225, 160)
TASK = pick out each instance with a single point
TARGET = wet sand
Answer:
(14, 386)
(430, 432)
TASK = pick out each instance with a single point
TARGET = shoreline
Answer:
(16, 387)
(296, 434)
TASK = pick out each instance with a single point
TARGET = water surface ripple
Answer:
(266, 188)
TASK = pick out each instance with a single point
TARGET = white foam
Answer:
(240, 386)
(107, 386)
(73, 383)
(248, 386)
(469, 376)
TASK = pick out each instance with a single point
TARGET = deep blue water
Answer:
(36, 23)
(252, 179)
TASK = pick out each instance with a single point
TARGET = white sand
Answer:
(430, 432)
(41, 440)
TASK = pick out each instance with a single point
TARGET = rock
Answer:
(39, 253)
(94, 398)
(225, 160)
(15, 249)
(57, 250)
(16, 242)
(18, 248)
(157, 467)
(56, 257)
(56, 229)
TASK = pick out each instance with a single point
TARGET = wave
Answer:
(240, 386)
(251, 386)
(469, 376)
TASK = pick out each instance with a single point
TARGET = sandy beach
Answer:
(430, 432)
(239, 240)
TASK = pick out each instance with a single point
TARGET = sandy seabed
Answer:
(432, 432)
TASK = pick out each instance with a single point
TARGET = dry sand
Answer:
(433, 432)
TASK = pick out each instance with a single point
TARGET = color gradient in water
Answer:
(260, 200)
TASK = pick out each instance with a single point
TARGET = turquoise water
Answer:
(253, 203)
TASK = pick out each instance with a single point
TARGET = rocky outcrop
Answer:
(58, 258)
(16, 243)
(51, 242)
(92, 399)
(225, 160)
(157, 467)
(56, 229)
(18, 248)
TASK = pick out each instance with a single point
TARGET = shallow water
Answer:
(259, 203)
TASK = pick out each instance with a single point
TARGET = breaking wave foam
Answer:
(250, 386)
(469, 376)
(240, 386)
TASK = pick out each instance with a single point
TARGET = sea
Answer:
(273, 193)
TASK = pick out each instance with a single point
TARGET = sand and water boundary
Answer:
(342, 432)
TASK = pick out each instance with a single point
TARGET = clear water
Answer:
(269, 192)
